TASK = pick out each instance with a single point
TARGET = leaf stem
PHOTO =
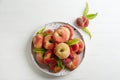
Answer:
(87, 31)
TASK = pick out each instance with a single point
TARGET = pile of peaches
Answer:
(57, 49)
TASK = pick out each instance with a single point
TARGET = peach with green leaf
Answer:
(83, 21)
(48, 32)
(38, 41)
(39, 58)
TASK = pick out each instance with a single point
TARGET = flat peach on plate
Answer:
(56, 35)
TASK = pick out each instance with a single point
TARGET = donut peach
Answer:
(67, 33)
(48, 42)
(75, 47)
(59, 35)
(47, 56)
(81, 46)
(74, 62)
(55, 68)
(48, 32)
(70, 29)
(38, 41)
(39, 58)
(62, 50)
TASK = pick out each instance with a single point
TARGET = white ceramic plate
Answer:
(45, 69)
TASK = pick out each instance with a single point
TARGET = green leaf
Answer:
(72, 41)
(41, 50)
(87, 31)
(41, 30)
(86, 10)
(91, 16)
(59, 63)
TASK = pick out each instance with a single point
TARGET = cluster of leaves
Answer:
(73, 41)
(90, 17)
(86, 14)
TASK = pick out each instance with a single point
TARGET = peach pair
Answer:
(45, 58)
(44, 39)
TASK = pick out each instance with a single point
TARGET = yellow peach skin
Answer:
(62, 50)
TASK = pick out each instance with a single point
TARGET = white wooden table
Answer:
(20, 18)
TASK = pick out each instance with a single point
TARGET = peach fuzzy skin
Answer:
(74, 63)
(67, 32)
(52, 61)
(39, 58)
(59, 35)
(48, 42)
(62, 50)
(47, 56)
(38, 41)
(71, 51)
(55, 68)
(75, 47)
(48, 32)
(81, 46)
(70, 29)
(82, 22)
